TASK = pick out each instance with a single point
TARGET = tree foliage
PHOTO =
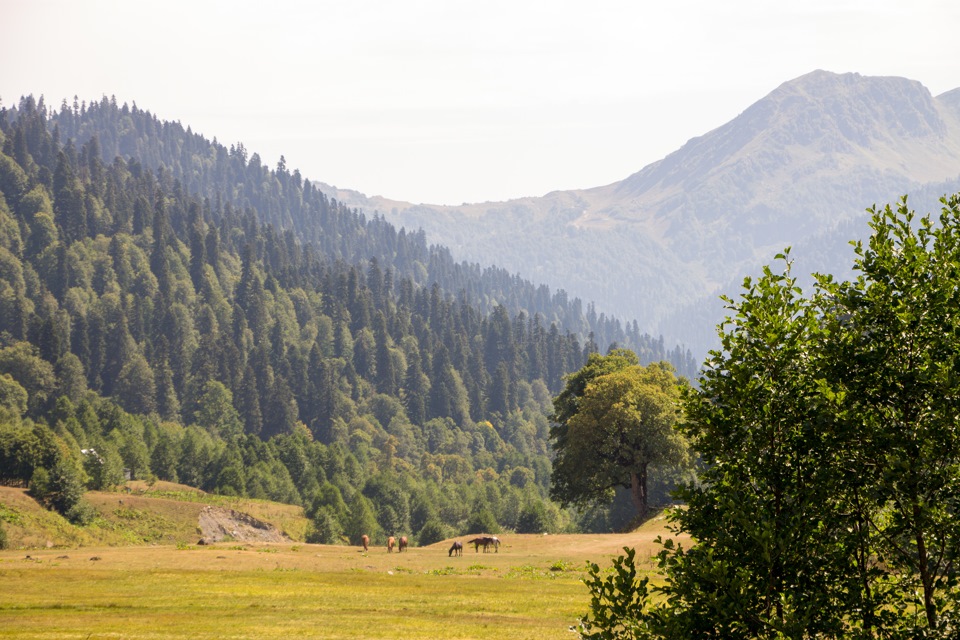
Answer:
(615, 422)
(826, 425)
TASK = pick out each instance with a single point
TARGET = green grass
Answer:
(79, 598)
(138, 574)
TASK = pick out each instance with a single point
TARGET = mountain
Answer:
(797, 168)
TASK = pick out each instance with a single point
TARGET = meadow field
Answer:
(531, 589)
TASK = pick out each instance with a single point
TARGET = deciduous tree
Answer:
(827, 428)
(615, 421)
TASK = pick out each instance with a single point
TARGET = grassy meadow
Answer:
(138, 573)
(530, 589)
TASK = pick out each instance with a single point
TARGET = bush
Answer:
(533, 519)
(482, 521)
(65, 488)
(40, 484)
(324, 529)
(4, 543)
(61, 489)
(617, 601)
(81, 513)
(433, 531)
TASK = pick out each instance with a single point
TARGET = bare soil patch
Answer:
(218, 524)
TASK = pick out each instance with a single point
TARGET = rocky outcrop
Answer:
(218, 524)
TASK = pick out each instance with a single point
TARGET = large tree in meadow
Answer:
(614, 422)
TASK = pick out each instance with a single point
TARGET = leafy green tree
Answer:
(892, 362)
(104, 467)
(434, 530)
(216, 412)
(61, 489)
(324, 528)
(43, 233)
(482, 520)
(772, 537)
(826, 427)
(195, 457)
(13, 181)
(361, 521)
(33, 373)
(134, 452)
(13, 398)
(164, 457)
(26, 448)
(533, 518)
(391, 504)
(71, 380)
(621, 426)
(136, 389)
(328, 497)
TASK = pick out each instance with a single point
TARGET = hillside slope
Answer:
(138, 513)
(797, 168)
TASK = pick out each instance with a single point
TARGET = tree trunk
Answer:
(638, 490)
(926, 578)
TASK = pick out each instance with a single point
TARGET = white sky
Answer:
(442, 101)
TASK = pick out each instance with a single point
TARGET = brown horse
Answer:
(390, 543)
(482, 541)
(402, 545)
(456, 549)
(365, 541)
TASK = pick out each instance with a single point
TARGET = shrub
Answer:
(40, 484)
(65, 489)
(433, 531)
(61, 489)
(533, 518)
(482, 521)
(324, 529)
(81, 513)
(617, 601)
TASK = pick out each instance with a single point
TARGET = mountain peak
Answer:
(860, 108)
(792, 168)
(832, 120)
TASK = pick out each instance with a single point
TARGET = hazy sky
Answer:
(445, 102)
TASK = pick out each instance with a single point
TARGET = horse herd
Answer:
(455, 550)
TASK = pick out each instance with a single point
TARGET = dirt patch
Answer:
(218, 524)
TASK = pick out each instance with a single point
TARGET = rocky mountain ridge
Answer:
(797, 168)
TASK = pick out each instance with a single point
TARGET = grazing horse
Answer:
(456, 549)
(482, 541)
(402, 545)
(495, 541)
(390, 543)
(365, 540)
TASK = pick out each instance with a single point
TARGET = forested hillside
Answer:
(223, 325)
(290, 202)
(797, 168)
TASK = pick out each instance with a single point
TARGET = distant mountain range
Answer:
(797, 168)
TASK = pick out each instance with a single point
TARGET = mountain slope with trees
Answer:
(229, 343)
(796, 168)
(291, 203)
